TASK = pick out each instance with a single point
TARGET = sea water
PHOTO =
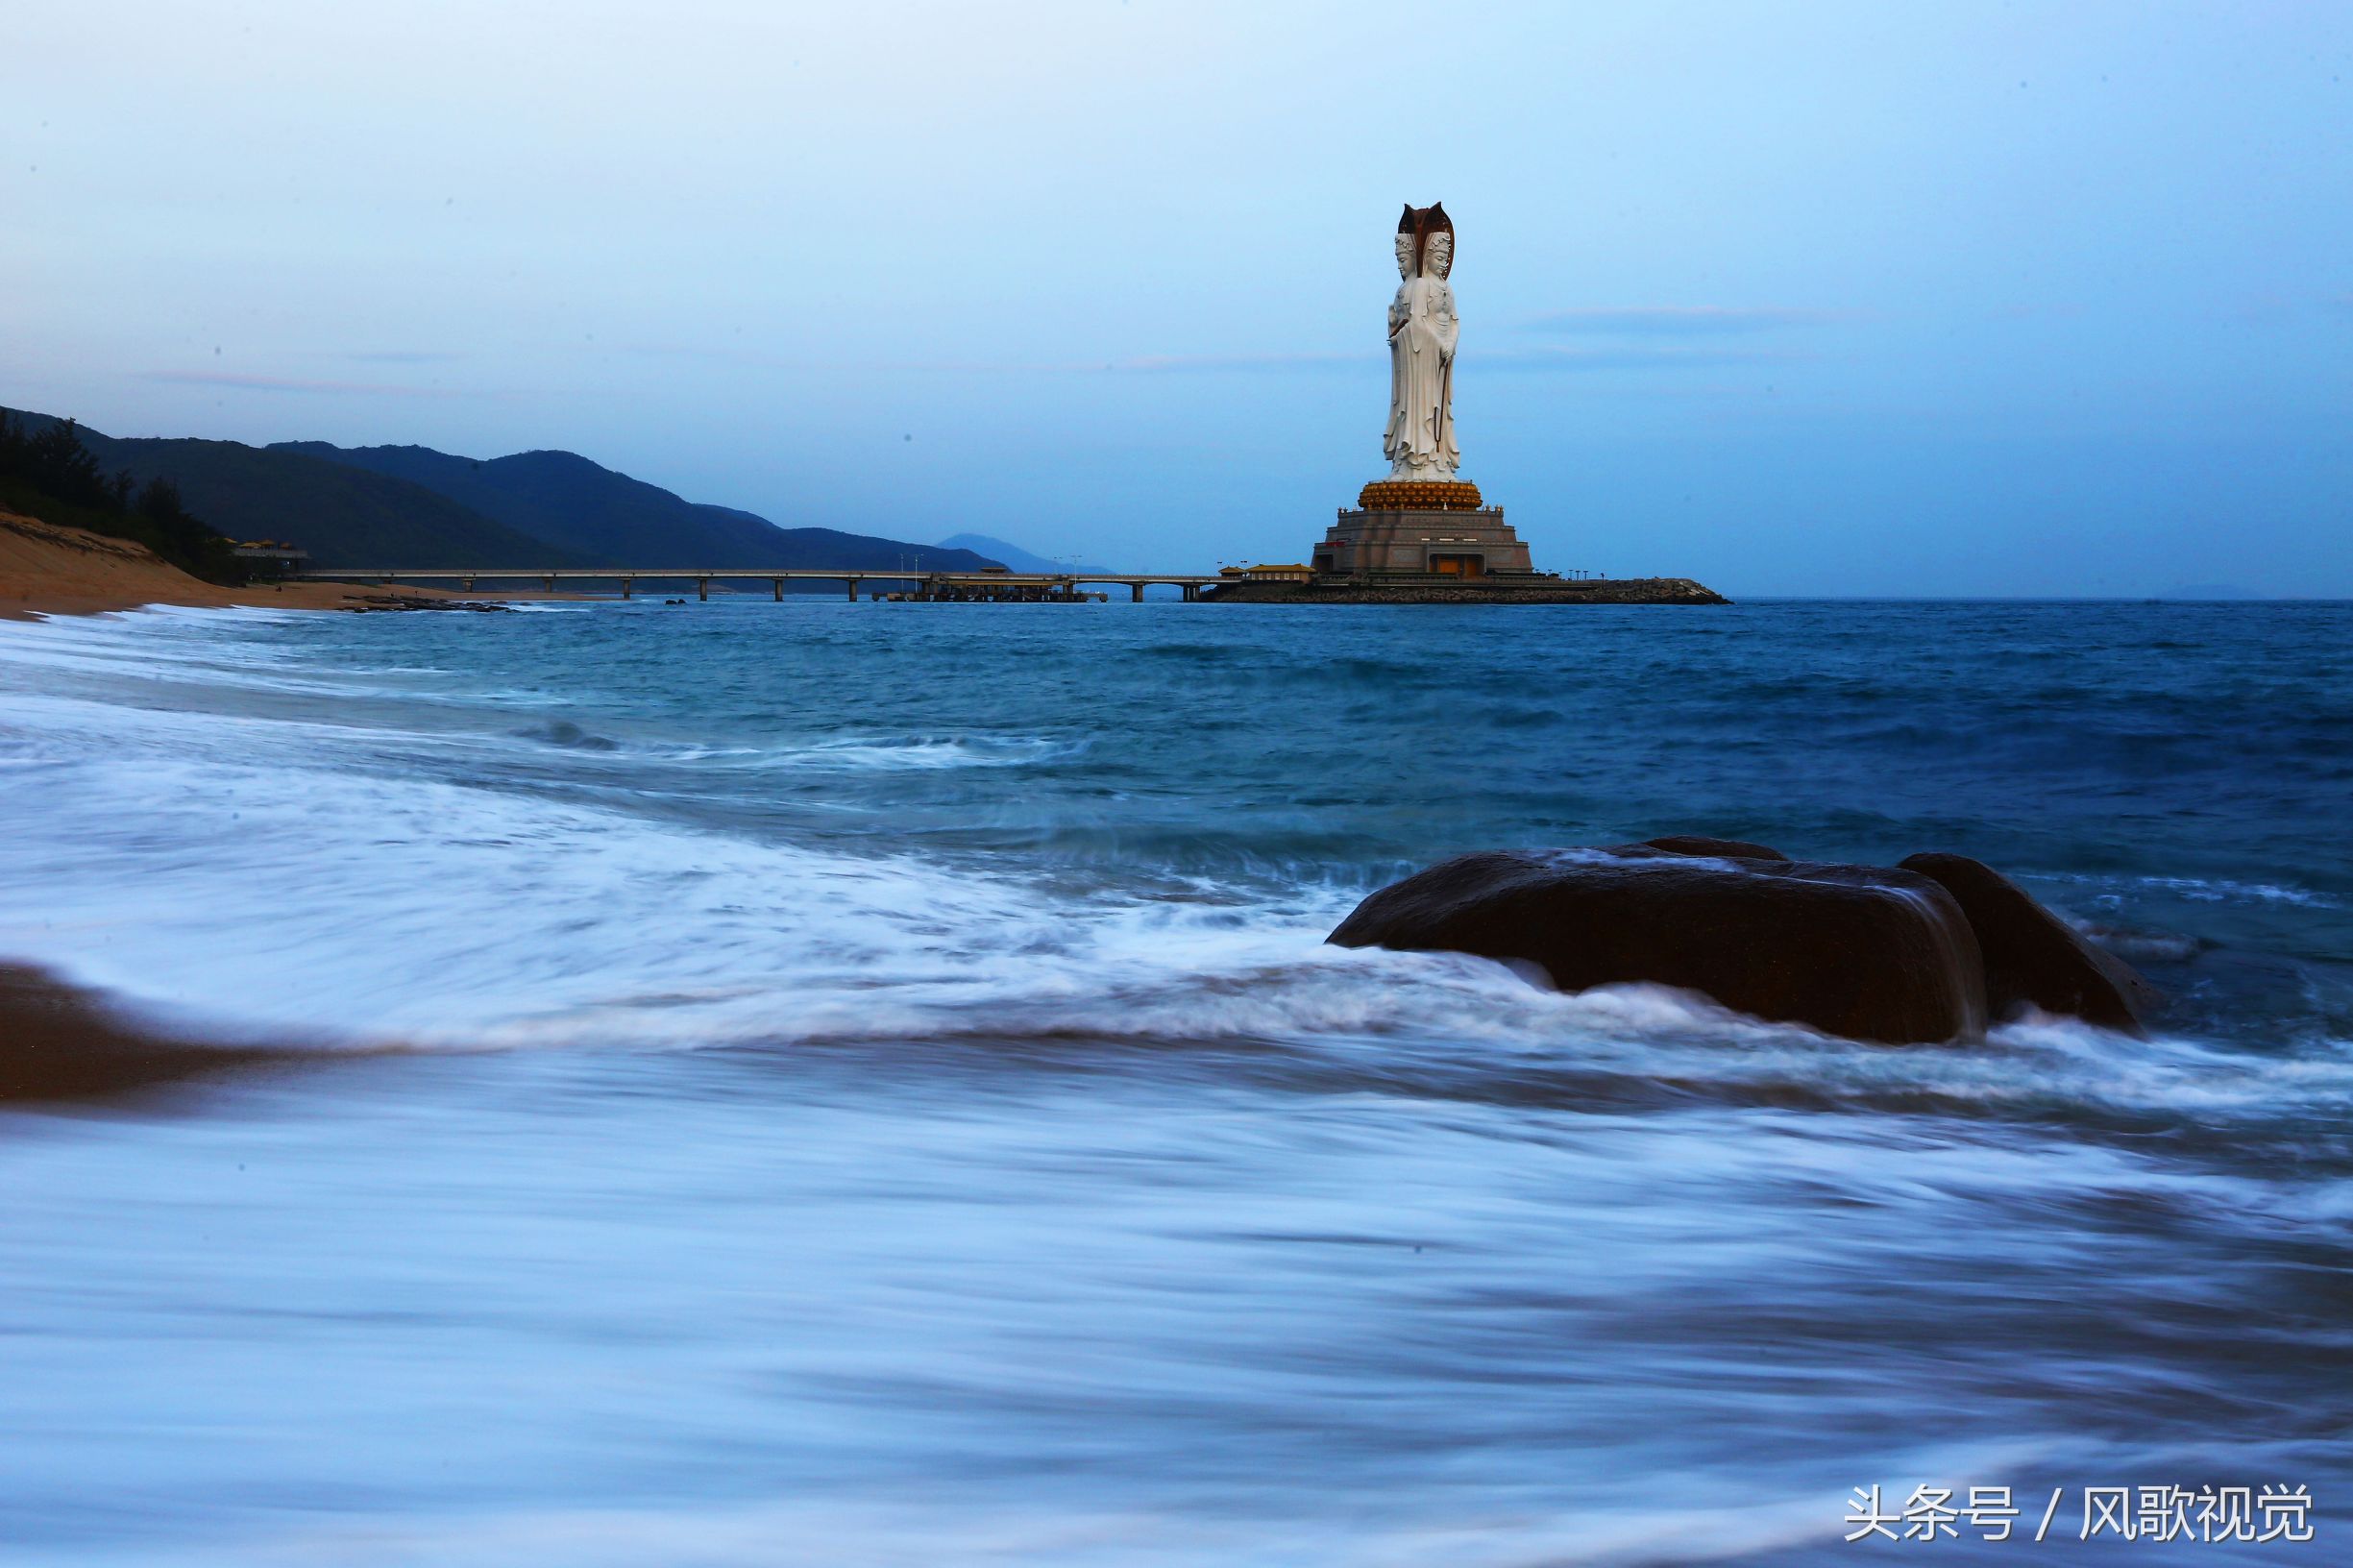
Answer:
(864, 1084)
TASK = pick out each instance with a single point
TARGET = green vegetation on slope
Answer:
(343, 516)
(47, 471)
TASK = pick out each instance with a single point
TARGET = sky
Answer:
(1841, 298)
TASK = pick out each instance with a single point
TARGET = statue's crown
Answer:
(1425, 220)
(1421, 222)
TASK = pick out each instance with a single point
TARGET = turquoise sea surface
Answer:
(846, 1084)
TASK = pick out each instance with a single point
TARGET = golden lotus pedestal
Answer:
(1422, 531)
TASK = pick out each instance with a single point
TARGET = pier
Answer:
(929, 587)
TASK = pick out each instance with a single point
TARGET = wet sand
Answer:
(58, 1042)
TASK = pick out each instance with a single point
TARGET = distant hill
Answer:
(343, 516)
(613, 519)
(48, 472)
(1012, 555)
(412, 506)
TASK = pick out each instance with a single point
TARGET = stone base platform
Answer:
(1465, 544)
(1530, 588)
(1445, 548)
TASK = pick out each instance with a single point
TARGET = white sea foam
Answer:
(242, 869)
(928, 1535)
(1724, 1521)
(259, 871)
(200, 865)
(2203, 889)
(1133, 1226)
(853, 753)
(285, 874)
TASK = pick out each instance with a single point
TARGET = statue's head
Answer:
(1425, 241)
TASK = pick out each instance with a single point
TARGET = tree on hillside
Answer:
(55, 459)
(50, 474)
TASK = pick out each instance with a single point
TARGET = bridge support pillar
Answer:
(469, 585)
(551, 582)
(1192, 592)
(628, 587)
(853, 590)
(777, 583)
(703, 589)
(1134, 592)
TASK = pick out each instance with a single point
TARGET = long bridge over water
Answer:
(967, 586)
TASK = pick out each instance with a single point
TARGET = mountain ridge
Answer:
(614, 519)
(417, 508)
(345, 517)
(1011, 554)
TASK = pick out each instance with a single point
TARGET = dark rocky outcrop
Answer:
(1686, 844)
(1863, 951)
(1928, 951)
(2033, 958)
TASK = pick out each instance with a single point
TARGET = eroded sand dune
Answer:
(49, 570)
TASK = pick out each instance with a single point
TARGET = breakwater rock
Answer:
(1893, 954)
(2032, 957)
(1565, 590)
(363, 603)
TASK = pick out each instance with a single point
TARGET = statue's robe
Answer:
(1423, 332)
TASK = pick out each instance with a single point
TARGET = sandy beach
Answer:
(49, 570)
(57, 1041)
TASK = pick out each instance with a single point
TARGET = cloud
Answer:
(1141, 364)
(1153, 363)
(404, 356)
(1630, 357)
(1134, 364)
(287, 384)
(1541, 356)
(1681, 320)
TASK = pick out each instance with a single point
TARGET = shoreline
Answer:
(63, 1041)
(17, 607)
(49, 570)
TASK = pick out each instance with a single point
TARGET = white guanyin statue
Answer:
(1423, 332)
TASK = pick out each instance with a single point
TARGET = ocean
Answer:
(856, 1084)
